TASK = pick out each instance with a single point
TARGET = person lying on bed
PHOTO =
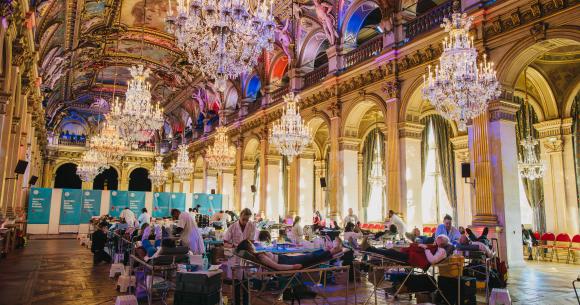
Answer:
(417, 255)
(466, 244)
(290, 262)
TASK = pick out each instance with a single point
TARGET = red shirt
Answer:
(417, 257)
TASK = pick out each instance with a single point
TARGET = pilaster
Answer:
(464, 190)
(392, 155)
(411, 184)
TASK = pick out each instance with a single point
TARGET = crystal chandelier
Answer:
(221, 154)
(92, 163)
(222, 38)
(183, 167)
(458, 88)
(109, 143)
(158, 175)
(137, 118)
(290, 134)
(530, 166)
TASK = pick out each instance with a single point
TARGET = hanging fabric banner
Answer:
(201, 200)
(91, 205)
(118, 202)
(161, 205)
(39, 205)
(70, 206)
(136, 202)
(214, 202)
(178, 201)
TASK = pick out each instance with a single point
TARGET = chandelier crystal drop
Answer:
(530, 167)
(377, 176)
(92, 163)
(221, 155)
(109, 143)
(222, 38)
(137, 118)
(158, 175)
(458, 87)
(183, 167)
(290, 135)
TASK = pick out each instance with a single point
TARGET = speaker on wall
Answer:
(21, 167)
(322, 182)
(253, 188)
(213, 191)
(32, 180)
(465, 170)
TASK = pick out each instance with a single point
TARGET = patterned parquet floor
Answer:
(60, 272)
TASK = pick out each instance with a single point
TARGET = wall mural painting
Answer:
(133, 48)
(132, 14)
(107, 75)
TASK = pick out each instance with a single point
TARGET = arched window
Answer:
(374, 177)
(107, 180)
(139, 180)
(66, 177)
(253, 88)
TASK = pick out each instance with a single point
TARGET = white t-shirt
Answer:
(234, 235)
(144, 218)
(129, 216)
(398, 222)
(350, 218)
(297, 232)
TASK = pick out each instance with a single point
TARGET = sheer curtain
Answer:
(256, 195)
(374, 196)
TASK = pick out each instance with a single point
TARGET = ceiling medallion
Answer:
(137, 118)
(221, 155)
(289, 134)
(158, 175)
(459, 88)
(183, 167)
(222, 38)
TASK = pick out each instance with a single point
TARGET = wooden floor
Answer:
(60, 272)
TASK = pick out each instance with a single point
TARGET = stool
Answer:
(127, 270)
(118, 258)
(125, 281)
(126, 300)
(116, 268)
(500, 297)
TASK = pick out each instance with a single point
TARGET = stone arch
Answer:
(278, 67)
(570, 96)
(356, 110)
(368, 130)
(311, 46)
(355, 18)
(198, 164)
(319, 124)
(526, 50)
(111, 176)
(544, 104)
(141, 173)
(251, 148)
(65, 175)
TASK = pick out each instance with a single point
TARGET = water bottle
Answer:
(205, 262)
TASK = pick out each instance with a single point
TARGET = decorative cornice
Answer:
(348, 144)
(502, 110)
(551, 128)
(460, 143)
(410, 130)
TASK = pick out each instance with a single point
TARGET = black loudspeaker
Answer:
(213, 191)
(322, 182)
(253, 188)
(32, 180)
(465, 170)
(21, 167)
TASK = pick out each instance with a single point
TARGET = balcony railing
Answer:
(313, 77)
(428, 21)
(278, 94)
(254, 106)
(144, 148)
(68, 142)
(365, 51)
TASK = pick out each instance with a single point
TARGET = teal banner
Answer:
(70, 206)
(209, 203)
(136, 202)
(91, 205)
(178, 201)
(118, 202)
(161, 205)
(39, 205)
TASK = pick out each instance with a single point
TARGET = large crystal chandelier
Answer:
(92, 163)
(109, 143)
(158, 175)
(137, 118)
(530, 166)
(221, 154)
(459, 88)
(183, 167)
(290, 134)
(222, 38)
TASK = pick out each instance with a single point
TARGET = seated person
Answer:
(482, 238)
(99, 239)
(350, 235)
(287, 262)
(264, 237)
(148, 236)
(416, 236)
(417, 255)
(447, 229)
(391, 233)
(467, 245)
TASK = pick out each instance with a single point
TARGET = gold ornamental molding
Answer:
(460, 142)
(553, 144)
(502, 110)
(554, 128)
(410, 130)
(346, 143)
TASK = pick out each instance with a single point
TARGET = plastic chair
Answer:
(427, 231)
(574, 247)
(562, 243)
(126, 300)
(116, 268)
(500, 297)
(546, 242)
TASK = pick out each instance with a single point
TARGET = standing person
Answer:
(190, 236)
(144, 217)
(317, 221)
(240, 230)
(394, 219)
(350, 218)
(129, 217)
(447, 229)
(297, 231)
(181, 220)
(192, 213)
(99, 240)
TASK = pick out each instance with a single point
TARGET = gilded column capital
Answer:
(553, 144)
(248, 165)
(503, 110)
(460, 142)
(410, 130)
(346, 143)
(554, 128)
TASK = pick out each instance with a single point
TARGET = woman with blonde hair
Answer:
(190, 236)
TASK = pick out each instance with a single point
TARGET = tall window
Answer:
(434, 199)
(374, 177)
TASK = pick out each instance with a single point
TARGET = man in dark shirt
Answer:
(98, 244)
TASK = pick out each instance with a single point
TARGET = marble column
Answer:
(497, 202)
(559, 181)
(411, 184)
(47, 173)
(362, 213)
(294, 175)
(248, 198)
(349, 148)
(319, 192)
(335, 58)
(392, 155)
(264, 147)
(239, 177)
(463, 189)
(274, 192)
(227, 188)
(306, 185)
(334, 172)
(211, 180)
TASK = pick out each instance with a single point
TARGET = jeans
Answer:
(390, 253)
(305, 259)
(101, 255)
(149, 248)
